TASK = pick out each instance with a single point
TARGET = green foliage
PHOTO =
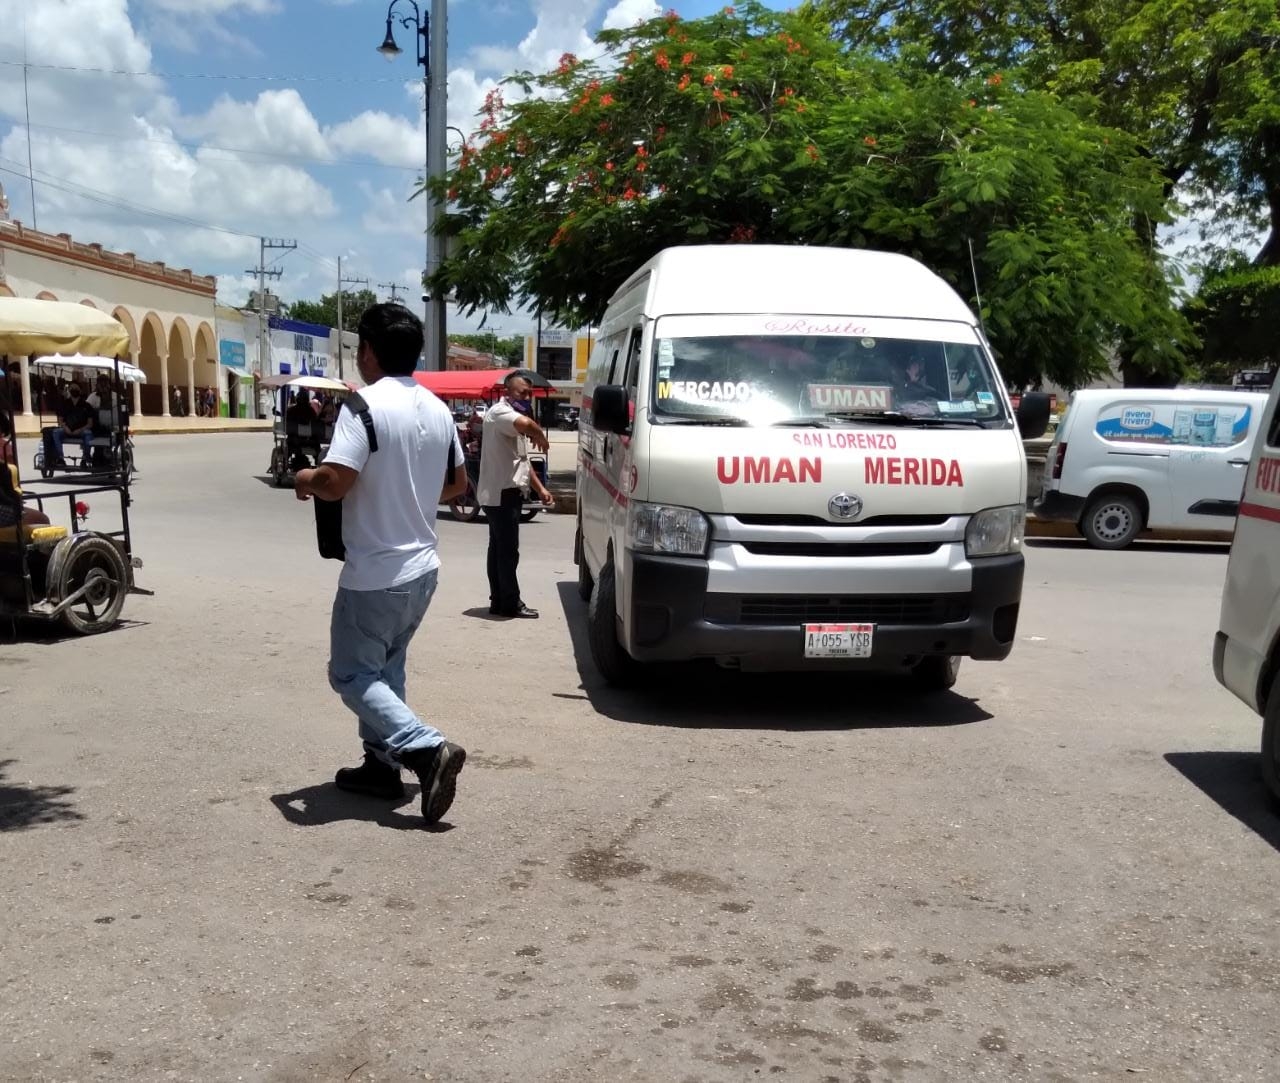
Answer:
(325, 311)
(507, 350)
(753, 125)
(1236, 314)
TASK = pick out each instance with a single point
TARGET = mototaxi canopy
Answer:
(477, 383)
(28, 327)
(86, 363)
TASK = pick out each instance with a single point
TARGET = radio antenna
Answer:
(977, 293)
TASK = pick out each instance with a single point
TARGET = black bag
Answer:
(329, 512)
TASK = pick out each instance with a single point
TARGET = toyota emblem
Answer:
(844, 506)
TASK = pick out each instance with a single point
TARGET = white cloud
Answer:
(389, 139)
(389, 213)
(277, 121)
(627, 13)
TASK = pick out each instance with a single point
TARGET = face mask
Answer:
(520, 405)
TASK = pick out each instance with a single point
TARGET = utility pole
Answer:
(393, 287)
(344, 282)
(263, 274)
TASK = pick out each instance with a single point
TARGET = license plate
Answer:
(838, 640)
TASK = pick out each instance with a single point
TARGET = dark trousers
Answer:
(504, 551)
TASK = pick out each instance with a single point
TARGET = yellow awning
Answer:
(29, 326)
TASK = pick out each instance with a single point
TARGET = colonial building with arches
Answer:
(169, 313)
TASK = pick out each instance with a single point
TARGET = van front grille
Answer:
(838, 609)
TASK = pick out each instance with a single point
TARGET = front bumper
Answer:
(673, 617)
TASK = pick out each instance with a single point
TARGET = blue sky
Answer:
(272, 117)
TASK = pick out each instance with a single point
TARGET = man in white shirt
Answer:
(389, 488)
(504, 473)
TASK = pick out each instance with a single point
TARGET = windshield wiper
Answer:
(718, 419)
(894, 417)
(801, 423)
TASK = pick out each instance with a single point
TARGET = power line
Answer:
(205, 75)
(192, 145)
(105, 198)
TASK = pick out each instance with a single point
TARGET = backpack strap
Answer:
(356, 404)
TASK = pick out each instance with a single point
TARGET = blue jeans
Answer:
(85, 438)
(368, 640)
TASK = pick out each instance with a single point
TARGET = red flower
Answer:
(718, 94)
(641, 167)
(684, 82)
(730, 11)
(567, 62)
(661, 133)
(708, 79)
(641, 152)
(727, 71)
(812, 151)
(870, 140)
(603, 126)
(995, 80)
(453, 193)
(606, 100)
(629, 193)
(608, 167)
(688, 59)
(662, 60)
(593, 85)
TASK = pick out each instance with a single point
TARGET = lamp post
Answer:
(432, 55)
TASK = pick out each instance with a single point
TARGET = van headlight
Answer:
(660, 528)
(996, 532)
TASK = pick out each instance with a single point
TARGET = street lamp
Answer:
(432, 55)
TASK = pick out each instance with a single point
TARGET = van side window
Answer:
(614, 347)
(1273, 437)
(631, 378)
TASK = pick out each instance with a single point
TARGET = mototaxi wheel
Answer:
(91, 566)
(529, 514)
(465, 508)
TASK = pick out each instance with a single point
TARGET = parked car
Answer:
(1123, 461)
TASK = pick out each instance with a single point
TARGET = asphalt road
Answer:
(1065, 870)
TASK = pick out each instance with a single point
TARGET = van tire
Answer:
(1271, 743)
(585, 583)
(616, 666)
(1112, 521)
(936, 672)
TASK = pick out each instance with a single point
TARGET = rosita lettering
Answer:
(882, 470)
(762, 470)
(794, 326)
(863, 441)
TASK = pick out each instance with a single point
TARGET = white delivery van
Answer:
(796, 457)
(1246, 650)
(1122, 461)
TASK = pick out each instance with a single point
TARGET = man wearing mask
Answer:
(504, 473)
(390, 487)
(74, 419)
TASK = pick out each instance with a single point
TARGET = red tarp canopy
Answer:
(475, 383)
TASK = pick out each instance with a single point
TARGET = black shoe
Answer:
(372, 778)
(437, 770)
(523, 613)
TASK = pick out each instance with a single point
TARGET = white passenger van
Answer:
(795, 457)
(1246, 650)
(1125, 460)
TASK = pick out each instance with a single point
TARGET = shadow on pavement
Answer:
(51, 632)
(702, 694)
(1234, 781)
(23, 806)
(1209, 548)
(313, 806)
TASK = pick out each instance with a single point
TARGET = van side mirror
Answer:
(1033, 415)
(611, 409)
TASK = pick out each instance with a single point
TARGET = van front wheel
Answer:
(1112, 521)
(936, 672)
(616, 666)
(1271, 743)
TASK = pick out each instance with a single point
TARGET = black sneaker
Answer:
(372, 778)
(437, 770)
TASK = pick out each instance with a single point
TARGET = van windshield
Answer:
(704, 372)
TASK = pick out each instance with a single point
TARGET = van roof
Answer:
(1166, 394)
(752, 278)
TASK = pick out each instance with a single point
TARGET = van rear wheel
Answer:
(1112, 521)
(616, 666)
(1271, 743)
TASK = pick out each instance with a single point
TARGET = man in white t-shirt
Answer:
(389, 488)
(504, 474)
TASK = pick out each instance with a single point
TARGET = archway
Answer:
(181, 376)
(206, 365)
(125, 318)
(5, 291)
(87, 303)
(152, 345)
(45, 295)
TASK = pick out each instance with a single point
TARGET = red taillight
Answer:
(1058, 460)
